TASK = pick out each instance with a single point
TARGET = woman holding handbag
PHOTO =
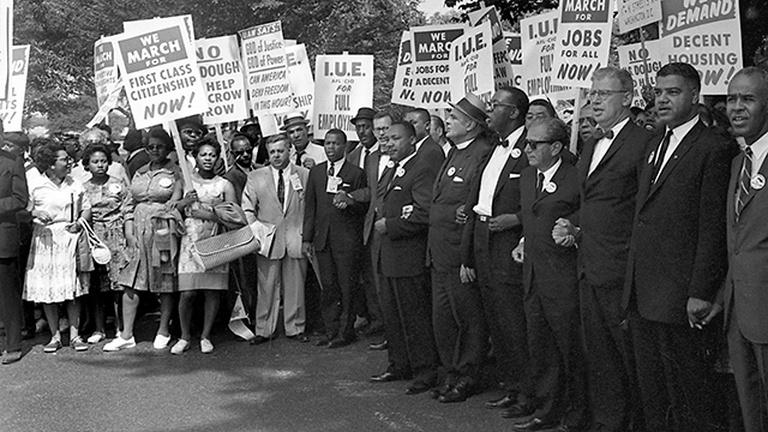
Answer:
(56, 202)
(207, 209)
(152, 229)
(108, 196)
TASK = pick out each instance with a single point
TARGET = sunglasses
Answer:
(534, 143)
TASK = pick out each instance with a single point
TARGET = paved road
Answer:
(280, 386)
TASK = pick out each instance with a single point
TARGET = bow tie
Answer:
(600, 134)
(504, 143)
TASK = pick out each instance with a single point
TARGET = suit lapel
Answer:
(752, 191)
(617, 143)
(678, 154)
(585, 161)
(556, 179)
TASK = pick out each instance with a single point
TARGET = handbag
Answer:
(231, 245)
(99, 251)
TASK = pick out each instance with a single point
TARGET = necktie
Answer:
(504, 143)
(744, 181)
(331, 171)
(662, 150)
(298, 157)
(539, 185)
(600, 134)
(280, 187)
(365, 158)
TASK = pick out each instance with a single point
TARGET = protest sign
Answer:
(503, 74)
(471, 63)
(638, 60)
(157, 22)
(705, 34)
(12, 108)
(539, 35)
(343, 84)
(222, 73)
(512, 67)
(302, 82)
(431, 70)
(634, 14)
(6, 42)
(104, 69)
(266, 69)
(583, 41)
(403, 92)
(160, 73)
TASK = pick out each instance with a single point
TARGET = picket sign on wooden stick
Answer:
(575, 122)
(186, 170)
(224, 145)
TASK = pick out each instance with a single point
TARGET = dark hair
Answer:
(684, 70)
(95, 148)
(337, 132)
(423, 113)
(239, 136)
(207, 140)
(134, 140)
(556, 130)
(45, 156)
(635, 110)
(409, 129)
(546, 104)
(519, 99)
(160, 134)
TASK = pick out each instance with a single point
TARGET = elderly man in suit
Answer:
(677, 257)
(492, 231)
(609, 170)
(402, 222)
(554, 389)
(275, 194)
(333, 230)
(457, 313)
(747, 279)
(13, 198)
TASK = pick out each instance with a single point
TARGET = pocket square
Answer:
(514, 175)
(397, 188)
(458, 179)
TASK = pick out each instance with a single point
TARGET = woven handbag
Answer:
(226, 247)
(99, 250)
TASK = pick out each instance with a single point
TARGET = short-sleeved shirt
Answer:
(63, 203)
(107, 200)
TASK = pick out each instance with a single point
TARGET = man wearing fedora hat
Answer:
(457, 317)
(303, 152)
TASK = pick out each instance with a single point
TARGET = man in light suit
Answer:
(303, 152)
(609, 170)
(333, 229)
(13, 198)
(746, 299)
(275, 194)
(677, 257)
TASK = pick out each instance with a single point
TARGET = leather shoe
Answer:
(301, 337)
(505, 401)
(436, 392)
(258, 340)
(518, 410)
(534, 424)
(378, 346)
(340, 342)
(458, 393)
(387, 376)
(417, 387)
(11, 357)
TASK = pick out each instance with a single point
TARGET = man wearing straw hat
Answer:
(303, 151)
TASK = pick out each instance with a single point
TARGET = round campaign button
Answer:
(165, 182)
(516, 153)
(115, 188)
(550, 187)
(400, 172)
(391, 164)
(757, 182)
(451, 171)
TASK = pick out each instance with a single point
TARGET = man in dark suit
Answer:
(334, 231)
(13, 198)
(609, 170)
(402, 222)
(457, 317)
(492, 231)
(554, 389)
(677, 256)
(746, 296)
(421, 120)
(242, 151)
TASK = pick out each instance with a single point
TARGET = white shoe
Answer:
(179, 347)
(119, 343)
(206, 346)
(161, 342)
(95, 338)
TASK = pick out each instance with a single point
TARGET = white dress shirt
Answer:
(286, 183)
(336, 167)
(678, 134)
(420, 142)
(492, 171)
(361, 163)
(602, 145)
(383, 161)
(548, 174)
(312, 151)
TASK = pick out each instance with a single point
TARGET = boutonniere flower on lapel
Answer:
(400, 172)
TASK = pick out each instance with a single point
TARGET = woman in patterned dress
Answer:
(151, 235)
(56, 201)
(202, 221)
(108, 196)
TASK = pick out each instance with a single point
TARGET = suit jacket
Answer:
(506, 200)
(747, 279)
(136, 161)
(238, 177)
(451, 190)
(608, 206)
(323, 222)
(431, 152)
(678, 246)
(553, 266)
(260, 202)
(13, 199)
(405, 207)
(367, 194)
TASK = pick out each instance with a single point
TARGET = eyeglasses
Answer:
(493, 104)
(535, 143)
(603, 94)
(191, 131)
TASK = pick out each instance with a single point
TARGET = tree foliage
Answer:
(510, 10)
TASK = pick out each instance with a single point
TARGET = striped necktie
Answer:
(744, 178)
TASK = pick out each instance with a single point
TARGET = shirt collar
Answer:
(337, 165)
(760, 147)
(515, 135)
(682, 130)
(286, 170)
(619, 126)
(420, 142)
(548, 174)
(464, 144)
(407, 158)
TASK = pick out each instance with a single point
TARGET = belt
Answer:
(483, 218)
